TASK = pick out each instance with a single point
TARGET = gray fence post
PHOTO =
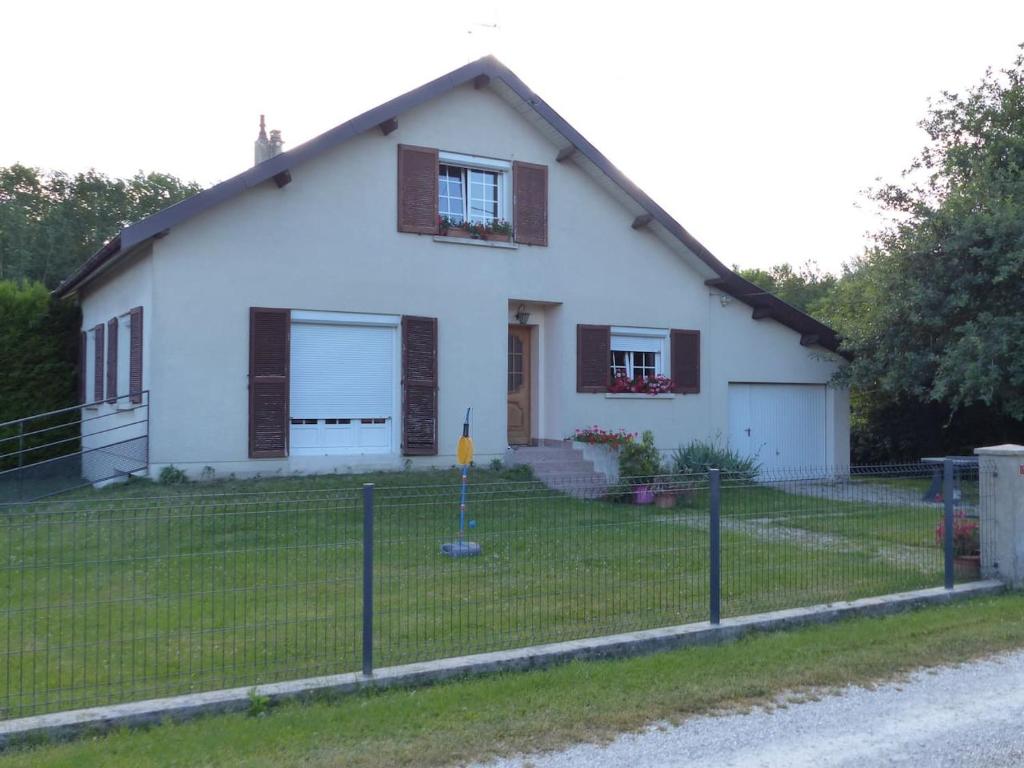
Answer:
(368, 579)
(947, 503)
(715, 591)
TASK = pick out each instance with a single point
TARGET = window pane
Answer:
(483, 195)
(451, 200)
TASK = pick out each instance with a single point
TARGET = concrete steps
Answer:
(560, 467)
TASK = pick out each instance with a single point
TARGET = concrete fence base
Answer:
(87, 721)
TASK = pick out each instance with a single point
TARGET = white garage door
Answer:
(783, 426)
(342, 388)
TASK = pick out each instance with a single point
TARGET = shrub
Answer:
(171, 475)
(640, 461)
(38, 352)
(702, 455)
(517, 472)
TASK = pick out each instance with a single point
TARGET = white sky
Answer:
(757, 125)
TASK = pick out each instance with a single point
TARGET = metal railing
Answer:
(49, 453)
(144, 591)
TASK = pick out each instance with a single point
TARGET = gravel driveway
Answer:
(972, 715)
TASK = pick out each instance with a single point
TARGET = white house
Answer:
(312, 314)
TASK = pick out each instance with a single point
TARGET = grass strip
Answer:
(478, 719)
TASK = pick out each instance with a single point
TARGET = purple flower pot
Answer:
(642, 494)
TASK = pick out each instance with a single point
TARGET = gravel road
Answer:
(966, 716)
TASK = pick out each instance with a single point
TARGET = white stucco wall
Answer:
(113, 434)
(328, 241)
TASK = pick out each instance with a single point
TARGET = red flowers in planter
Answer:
(599, 436)
(965, 534)
(652, 385)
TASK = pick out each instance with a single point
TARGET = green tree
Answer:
(50, 222)
(934, 311)
(38, 351)
(804, 288)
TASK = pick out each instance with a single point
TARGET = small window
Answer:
(90, 366)
(638, 353)
(473, 190)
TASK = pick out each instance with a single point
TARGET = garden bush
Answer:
(702, 455)
(639, 461)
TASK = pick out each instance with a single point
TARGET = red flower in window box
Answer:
(652, 385)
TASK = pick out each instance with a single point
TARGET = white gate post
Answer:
(1001, 500)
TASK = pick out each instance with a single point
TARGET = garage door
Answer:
(342, 388)
(783, 426)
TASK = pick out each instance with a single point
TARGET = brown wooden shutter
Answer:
(417, 189)
(593, 358)
(98, 371)
(530, 204)
(419, 386)
(112, 360)
(269, 364)
(135, 356)
(686, 361)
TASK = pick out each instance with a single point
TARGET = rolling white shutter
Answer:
(342, 371)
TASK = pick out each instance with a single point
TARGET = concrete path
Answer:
(966, 716)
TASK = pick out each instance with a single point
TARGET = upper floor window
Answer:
(472, 189)
(446, 193)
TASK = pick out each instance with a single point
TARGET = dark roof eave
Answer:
(104, 255)
(159, 222)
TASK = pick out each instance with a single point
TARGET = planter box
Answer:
(460, 232)
(604, 459)
(967, 567)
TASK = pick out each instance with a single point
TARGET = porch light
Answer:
(522, 316)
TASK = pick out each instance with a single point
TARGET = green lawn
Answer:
(507, 714)
(146, 590)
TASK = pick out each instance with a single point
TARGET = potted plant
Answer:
(966, 544)
(665, 495)
(499, 230)
(643, 494)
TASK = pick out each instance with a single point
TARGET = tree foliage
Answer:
(804, 288)
(934, 311)
(50, 222)
(38, 350)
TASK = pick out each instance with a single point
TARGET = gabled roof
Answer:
(483, 72)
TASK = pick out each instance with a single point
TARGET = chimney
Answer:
(267, 148)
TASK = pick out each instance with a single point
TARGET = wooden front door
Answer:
(518, 385)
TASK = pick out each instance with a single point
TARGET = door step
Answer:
(561, 468)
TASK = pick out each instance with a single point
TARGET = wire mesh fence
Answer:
(118, 600)
(143, 592)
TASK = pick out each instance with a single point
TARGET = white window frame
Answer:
(656, 339)
(471, 162)
(90, 368)
(124, 361)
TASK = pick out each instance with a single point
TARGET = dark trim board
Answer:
(481, 73)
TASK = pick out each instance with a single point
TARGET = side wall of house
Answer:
(114, 434)
(328, 241)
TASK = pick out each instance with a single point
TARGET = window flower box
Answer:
(497, 230)
(651, 385)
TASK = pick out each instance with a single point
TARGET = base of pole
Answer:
(461, 549)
